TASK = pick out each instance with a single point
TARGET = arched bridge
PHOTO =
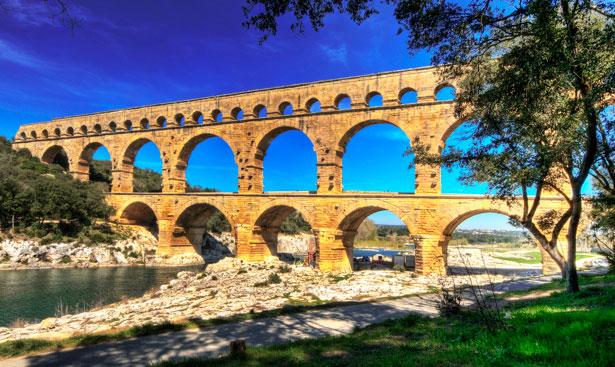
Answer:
(248, 122)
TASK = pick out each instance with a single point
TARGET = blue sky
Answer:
(142, 52)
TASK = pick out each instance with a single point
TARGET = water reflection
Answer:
(36, 294)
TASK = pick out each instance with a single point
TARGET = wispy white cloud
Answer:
(337, 54)
(13, 54)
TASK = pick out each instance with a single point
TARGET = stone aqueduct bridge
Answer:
(255, 217)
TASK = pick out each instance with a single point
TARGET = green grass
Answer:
(560, 330)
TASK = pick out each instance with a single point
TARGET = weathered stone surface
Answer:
(255, 217)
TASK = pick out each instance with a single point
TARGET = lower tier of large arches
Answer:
(255, 221)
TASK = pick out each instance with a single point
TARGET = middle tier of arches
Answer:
(329, 138)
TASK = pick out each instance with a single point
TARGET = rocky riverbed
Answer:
(138, 249)
(232, 287)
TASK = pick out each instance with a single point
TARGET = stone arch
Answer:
(237, 113)
(341, 100)
(33, 134)
(144, 124)
(83, 129)
(128, 125)
(23, 135)
(441, 87)
(57, 132)
(286, 108)
(264, 237)
(216, 115)
(113, 126)
(85, 159)
(139, 214)
(260, 111)
(313, 105)
(180, 119)
(45, 133)
(354, 129)
(265, 142)
(374, 99)
(449, 131)
(408, 96)
(181, 162)
(453, 223)
(126, 165)
(192, 225)
(352, 219)
(161, 121)
(70, 131)
(347, 136)
(56, 155)
(197, 117)
(98, 129)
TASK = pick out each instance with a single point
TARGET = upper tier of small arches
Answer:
(342, 101)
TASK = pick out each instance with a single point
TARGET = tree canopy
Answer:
(32, 192)
(533, 77)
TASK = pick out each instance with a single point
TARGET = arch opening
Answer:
(445, 92)
(289, 161)
(408, 96)
(207, 230)
(216, 115)
(459, 137)
(140, 216)
(237, 113)
(207, 164)
(95, 162)
(142, 161)
(286, 108)
(374, 99)
(375, 159)
(484, 241)
(56, 155)
(197, 117)
(161, 122)
(376, 238)
(70, 131)
(57, 132)
(313, 105)
(283, 232)
(260, 111)
(343, 102)
(113, 126)
(128, 125)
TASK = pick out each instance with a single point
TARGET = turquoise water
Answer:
(33, 295)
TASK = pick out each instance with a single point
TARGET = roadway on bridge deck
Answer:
(214, 341)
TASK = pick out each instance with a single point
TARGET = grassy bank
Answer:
(558, 330)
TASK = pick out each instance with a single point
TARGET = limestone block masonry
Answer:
(178, 127)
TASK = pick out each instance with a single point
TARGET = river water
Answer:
(33, 295)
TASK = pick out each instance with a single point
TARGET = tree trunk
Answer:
(572, 278)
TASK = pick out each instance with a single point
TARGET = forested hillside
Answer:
(42, 200)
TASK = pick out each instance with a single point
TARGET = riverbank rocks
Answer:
(232, 286)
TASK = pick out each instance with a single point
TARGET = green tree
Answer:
(295, 224)
(533, 77)
(603, 211)
(35, 193)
